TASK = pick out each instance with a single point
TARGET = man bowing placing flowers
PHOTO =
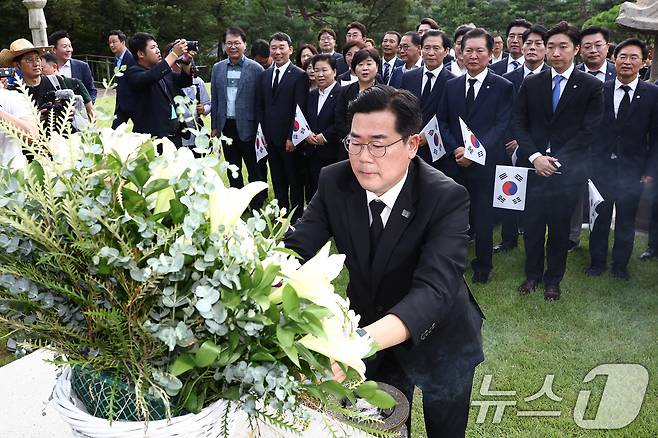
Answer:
(403, 228)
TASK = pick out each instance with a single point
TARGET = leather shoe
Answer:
(595, 270)
(527, 286)
(480, 277)
(621, 273)
(649, 254)
(504, 247)
(552, 292)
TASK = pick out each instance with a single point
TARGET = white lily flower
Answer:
(122, 142)
(341, 344)
(66, 151)
(312, 280)
(226, 204)
(171, 164)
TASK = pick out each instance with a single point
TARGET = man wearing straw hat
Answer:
(15, 111)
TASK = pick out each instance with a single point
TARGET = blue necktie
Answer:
(556, 90)
(387, 72)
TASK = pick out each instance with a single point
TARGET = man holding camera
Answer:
(153, 85)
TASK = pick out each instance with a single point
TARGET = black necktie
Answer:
(625, 103)
(275, 84)
(377, 226)
(470, 95)
(428, 86)
(593, 73)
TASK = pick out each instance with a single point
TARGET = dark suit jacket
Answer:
(276, 113)
(448, 59)
(324, 123)
(153, 98)
(80, 70)
(417, 273)
(634, 140)
(489, 120)
(569, 131)
(500, 68)
(341, 65)
(413, 81)
(124, 101)
(516, 76)
(610, 73)
(396, 76)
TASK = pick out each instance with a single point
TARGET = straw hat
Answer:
(18, 48)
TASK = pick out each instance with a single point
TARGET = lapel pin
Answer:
(488, 86)
(406, 213)
(575, 86)
(637, 97)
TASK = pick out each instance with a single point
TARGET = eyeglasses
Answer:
(374, 149)
(233, 43)
(33, 61)
(632, 58)
(597, 46)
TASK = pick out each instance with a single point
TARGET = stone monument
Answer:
(37, 21)
(643, 17)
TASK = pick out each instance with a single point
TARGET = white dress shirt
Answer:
(418, 63)
(619, 93)
(435, 74)
(527, 71)
(510, 66)
(495, 60)
(455, 69)
(391, 63)
(65, 70)
(282, 71)
(600, 73)
(322, 95)
(480, 79)
(387, 198)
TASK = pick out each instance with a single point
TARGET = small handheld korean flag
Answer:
(260, 144)
(595, 199)
(434, 140)
(474, 149)
(300, 129)
(510, 187)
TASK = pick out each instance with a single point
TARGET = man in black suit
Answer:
(534, 53)
(555, 116)
(280, 89)
(484, 101)
(403, 228)
(153, 85)
(624, 156)
(410, 55)
(122, 57)
(327, 45)
(390, 59)
(322, 146)
(514, 59)
(594, 51)
(428, 84)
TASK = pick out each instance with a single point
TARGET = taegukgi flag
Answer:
(474, 150)
(510, 187)
(300, 128)
(595, 199)
(434, 140)
(260, 144)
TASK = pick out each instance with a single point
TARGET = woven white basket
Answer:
(205, 424)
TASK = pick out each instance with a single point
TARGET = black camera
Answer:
(57, 100)
(193, 46)
(7, 72)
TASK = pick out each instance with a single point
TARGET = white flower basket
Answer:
(205, 424)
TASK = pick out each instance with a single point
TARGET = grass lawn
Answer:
(597, 321)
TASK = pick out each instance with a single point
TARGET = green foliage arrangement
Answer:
(143, 265)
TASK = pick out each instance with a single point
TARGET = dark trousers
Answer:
(625, 198)
(548, 206)
(239, 151)
(286, 169)
(313, 164)
(653, 221)
(445, 403)
(509, 229)
(482, 221)
(120, 116)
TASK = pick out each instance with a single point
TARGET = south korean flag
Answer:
(300, 129)
(474, 150)
(260, 144)
(510, 187)
(433, 137)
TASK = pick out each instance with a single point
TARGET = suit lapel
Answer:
(313, 117)
(245, 74)
(401, 215)
(546, 93)
(283, 81)
(570, 90)
(327, 103)
(485, 91)
(357, 218)
(636, 101)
